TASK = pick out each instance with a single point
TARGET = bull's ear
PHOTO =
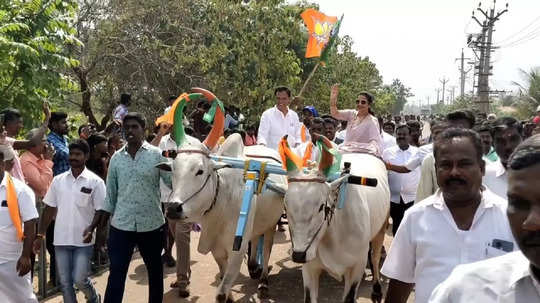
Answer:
(166, 166)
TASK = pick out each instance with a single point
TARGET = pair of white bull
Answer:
(323, 237)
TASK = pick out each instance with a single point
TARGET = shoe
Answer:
(168, 260)
(183, 290)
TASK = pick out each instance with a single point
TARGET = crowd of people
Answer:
(462, 190)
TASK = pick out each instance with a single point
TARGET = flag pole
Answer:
(308, 79)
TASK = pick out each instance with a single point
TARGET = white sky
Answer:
(417, 41)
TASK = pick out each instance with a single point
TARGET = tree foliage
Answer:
(85, 54)
(34, 40)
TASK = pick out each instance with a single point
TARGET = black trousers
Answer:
(121, 245)
(49, 240)
(397, 210)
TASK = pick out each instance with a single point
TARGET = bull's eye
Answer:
(199, 172)
(321, 208)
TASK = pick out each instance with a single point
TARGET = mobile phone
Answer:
(503, 245)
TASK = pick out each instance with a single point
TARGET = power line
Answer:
(519, 32)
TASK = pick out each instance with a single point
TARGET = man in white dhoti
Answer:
(18, 217)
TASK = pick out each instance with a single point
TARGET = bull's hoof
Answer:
(255, 271)
(376, 297)
(263, 291)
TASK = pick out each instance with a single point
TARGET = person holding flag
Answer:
(18, 216)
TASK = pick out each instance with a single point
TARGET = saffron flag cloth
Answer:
(320, 29)
(329, 157)
(289, 159)
(13, 207)
(333, 37)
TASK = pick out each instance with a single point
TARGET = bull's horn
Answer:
(291, 161)
(216, 113)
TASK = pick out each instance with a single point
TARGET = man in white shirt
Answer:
(402, 186)
(428, 179)
(15, 264)
(514, 277)
(387, 134)
(507, 135)
(180, 231)
(279, 121)
(74, 196)
(461, 223)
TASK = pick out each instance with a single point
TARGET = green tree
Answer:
(34, 37)
(529, 89)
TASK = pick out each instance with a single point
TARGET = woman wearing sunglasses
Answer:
(363, 133)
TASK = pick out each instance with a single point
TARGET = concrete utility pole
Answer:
(484, 43)
(443, 81)
(463, 74)
(438, 94)
(452, 92)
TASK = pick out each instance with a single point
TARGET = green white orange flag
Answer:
(321, 30)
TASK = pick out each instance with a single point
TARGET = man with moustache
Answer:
(18, 217)
(308, 151)
(279, 121)
(458, 224)
(402, 186)
(513, 277)
(507, 135)
(133, 200)
(73, 197)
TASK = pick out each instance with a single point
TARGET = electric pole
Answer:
(463, 74)
(438, 94)
(484, 43)
(443, 81)
(452, 92)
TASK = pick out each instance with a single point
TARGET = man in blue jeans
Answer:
(133, 199)
(74, 196)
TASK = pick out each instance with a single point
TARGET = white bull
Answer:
(338, 240)
(210, 193)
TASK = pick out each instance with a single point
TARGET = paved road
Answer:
(285, 280)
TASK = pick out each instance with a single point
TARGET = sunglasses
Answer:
(361, 102)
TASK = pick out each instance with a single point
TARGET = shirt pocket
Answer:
(83, 199)
(492, 252)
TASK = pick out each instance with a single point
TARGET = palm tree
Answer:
(529, 91)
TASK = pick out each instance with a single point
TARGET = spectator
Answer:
(13, 124)
(279, 121)
(484, 131)
(330, 125)
(178, 230)
(536, 118)
(86, 130)
(308, 150)
(122, 109)
(230, 121)
(98, 160)
(452, 227)
(342, 132)
(57, 138)
(402, 186)
(170, 103)
(115, 143)
(250, 137)
(74, 197)
(37, 165)
(199, 125)
(389, 127)
(415, 128)
(507, 135)
(512, 277)
(16, 234)
(137, 219)
(388, 138)
(308, 113)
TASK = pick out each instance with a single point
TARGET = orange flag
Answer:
(320, 27)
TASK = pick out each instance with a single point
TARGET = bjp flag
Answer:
(320, 29)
